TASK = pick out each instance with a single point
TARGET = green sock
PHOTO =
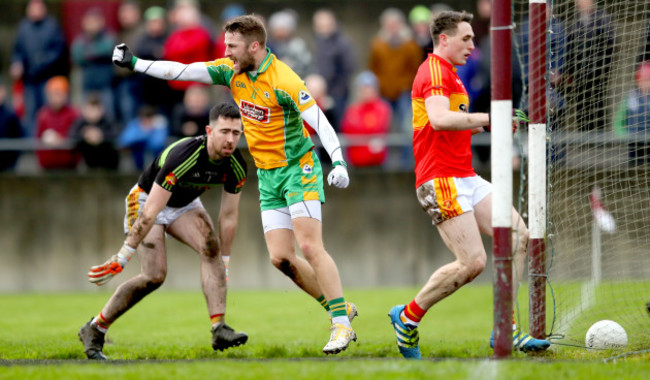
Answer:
(323, 302)
(338, 307)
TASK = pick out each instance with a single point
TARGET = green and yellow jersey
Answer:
(270, 102)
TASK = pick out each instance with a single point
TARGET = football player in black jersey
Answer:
(166, 201)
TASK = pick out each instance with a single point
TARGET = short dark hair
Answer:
(447, 22)
(249, 26)
(225, 110)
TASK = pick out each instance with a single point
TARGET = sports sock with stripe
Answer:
(323, 302)
(101, 323)
(412, 314)
(338, 308)
(215, 319)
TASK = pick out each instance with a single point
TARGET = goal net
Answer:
(598, 164)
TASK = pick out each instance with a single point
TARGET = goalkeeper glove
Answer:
(101, 274)
(519, 119)
(123, 57)
(339, 175)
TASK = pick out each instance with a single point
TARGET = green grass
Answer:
(167, 336)
(621, 301)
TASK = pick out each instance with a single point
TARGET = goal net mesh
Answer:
(598, 100)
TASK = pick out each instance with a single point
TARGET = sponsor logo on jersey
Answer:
(307, 169)
(304, 97)
(240, 84)
(171, 179)
(463, 107)
(254, 112)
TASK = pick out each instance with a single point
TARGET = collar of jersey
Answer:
(444, 61)
(263, 66)
(205, 145)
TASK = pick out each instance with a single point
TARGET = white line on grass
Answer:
(486, 370)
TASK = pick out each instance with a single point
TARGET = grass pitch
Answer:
(167, 335)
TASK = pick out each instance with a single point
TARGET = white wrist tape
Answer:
(125, 254)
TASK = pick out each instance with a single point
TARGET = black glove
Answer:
(123, 57)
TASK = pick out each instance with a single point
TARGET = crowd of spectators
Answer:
(125, 112)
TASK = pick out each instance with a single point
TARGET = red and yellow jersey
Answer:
(439, 153)
(270, 102)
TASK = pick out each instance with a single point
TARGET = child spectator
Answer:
(370, 115)
(53, 123)
(191, 117)
(147, 133)
(94, 136)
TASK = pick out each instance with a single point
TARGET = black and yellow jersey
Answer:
(185, 169)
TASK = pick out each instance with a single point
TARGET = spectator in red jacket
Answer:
(189, 42)
(370, 115)
(53, 123)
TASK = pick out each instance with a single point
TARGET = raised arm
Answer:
(167, 70)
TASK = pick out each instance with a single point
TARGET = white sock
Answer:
(98, 327)
(341, 320)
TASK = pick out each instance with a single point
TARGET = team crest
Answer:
(171, 179)
(304, 97)
(307, 169)
(266, 93)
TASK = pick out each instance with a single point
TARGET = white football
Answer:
(606, 334)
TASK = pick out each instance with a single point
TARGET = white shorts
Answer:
(135, 204)
(446, 197)
(282, 217)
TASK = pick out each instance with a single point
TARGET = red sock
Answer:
(414, 312)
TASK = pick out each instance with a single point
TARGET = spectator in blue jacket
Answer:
(145, 134)
(39, 54)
